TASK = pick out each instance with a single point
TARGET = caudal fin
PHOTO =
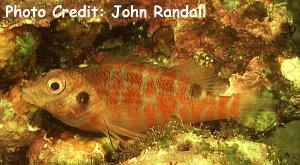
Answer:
(257, 111)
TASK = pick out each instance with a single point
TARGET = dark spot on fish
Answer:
(83, 98)
(54, 86)
(195, 90)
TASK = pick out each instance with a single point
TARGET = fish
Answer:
(123, 97)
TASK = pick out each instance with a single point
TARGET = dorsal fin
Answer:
(198, 75)
(119, 59)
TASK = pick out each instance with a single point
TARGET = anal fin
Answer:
(115, 131)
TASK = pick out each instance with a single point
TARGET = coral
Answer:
(293, 7)
(252, 81)
(176, 143)
(15, 128)
(234, 37)
(27, 45)
(17, 50)
(295, 101)
(7, 48)
(230, 4)
(288, 88)
(67, 43)
(204, 150)
(290, 69)
(70, 149)
(163, 42)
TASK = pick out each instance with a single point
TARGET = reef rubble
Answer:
(189, 148)
(16, 132)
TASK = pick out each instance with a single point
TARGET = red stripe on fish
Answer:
(198, 109)
(167, 107)
(133, 78)
(222, 107)
(210, 113)
(150, 116)
(181, 94)
(132, 96)
(235, 106)
(165, 85)
(150, 88)
(184, 114)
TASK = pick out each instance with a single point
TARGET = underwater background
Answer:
(253, 46)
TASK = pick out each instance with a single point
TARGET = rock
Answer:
(188, 148)
(286, 142)
(230, 39)
(17, 53)
(15, 128)
(252, 81)
(72, 149)
(295, 101)
(290, 69)
(67, 43)
(293, 7)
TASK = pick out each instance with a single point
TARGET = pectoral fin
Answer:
(119, 122)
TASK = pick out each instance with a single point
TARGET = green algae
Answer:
(231, 154)
(73, 150)
(285, 142)
(161, 137)
(27, 45)
(261, 122)
(200, 143)
(8, 112)
(5, 103)
(231, 4)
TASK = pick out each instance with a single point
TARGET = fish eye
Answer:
(83, 98)
(56, 85)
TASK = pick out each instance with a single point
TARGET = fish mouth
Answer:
(29, 97)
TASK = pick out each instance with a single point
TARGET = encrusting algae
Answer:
(15, 128)
(70, 149)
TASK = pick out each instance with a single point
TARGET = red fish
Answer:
(128, 97)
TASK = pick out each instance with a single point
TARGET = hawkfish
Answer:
(124, 97)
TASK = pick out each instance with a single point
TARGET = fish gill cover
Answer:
(149, 82)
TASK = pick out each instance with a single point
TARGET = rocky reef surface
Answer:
(249, 43)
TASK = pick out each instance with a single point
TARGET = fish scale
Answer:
(130, 97)
(157, 85)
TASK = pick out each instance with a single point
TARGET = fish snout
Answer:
(28, 94)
